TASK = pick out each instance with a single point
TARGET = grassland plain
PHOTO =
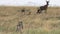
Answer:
(44, 23)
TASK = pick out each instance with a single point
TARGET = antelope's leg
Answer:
(18, 28)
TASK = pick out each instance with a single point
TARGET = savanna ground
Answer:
(44, 23)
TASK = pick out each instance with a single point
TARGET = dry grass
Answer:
(10, 16)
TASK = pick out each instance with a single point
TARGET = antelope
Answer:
(19, 26)
(23, 10)
(43, 7)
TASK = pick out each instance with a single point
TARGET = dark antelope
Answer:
(19, 26)
(43, 7)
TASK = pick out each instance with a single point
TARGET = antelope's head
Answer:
(47, 2)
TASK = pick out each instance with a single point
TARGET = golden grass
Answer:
(9, 17)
